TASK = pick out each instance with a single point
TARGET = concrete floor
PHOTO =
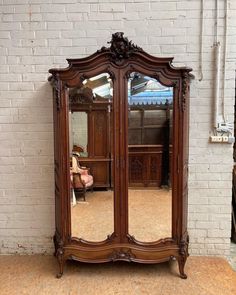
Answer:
(36, 275)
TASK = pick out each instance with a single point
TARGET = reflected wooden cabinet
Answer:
(145, 165)
(98, 153)
(129, 112)
(149, 140)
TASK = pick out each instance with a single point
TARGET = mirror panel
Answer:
(149, 145)
(91, 157)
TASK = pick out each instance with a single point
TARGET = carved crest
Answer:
(121, 48)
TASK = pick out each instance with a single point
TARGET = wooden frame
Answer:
(119, 60)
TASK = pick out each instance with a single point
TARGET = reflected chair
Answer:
(78, 148)
(81, 178)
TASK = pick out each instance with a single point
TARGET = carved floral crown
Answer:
(121, 48)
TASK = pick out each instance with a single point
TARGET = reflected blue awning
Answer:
(151, 97)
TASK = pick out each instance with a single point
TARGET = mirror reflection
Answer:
(91, 157)
(149, 145)
(79, 136)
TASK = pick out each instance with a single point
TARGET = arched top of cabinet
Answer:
(120, 54)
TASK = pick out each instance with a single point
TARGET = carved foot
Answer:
(183, 276)
(183, 254)
(181, 262)
(61, 262)
(59, 275)
(61, 266)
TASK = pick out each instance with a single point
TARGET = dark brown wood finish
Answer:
(149, 144)
(119, 60)
(145, 165)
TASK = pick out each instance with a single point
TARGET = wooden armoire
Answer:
(101, 86)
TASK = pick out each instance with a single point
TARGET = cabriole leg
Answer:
(181, 262)
(61, 262)
(183, 254)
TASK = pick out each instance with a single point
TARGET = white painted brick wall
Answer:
(36, 35)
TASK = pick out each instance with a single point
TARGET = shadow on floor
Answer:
(232, 258)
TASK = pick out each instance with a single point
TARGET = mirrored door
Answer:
(150, 110)
(91, 158)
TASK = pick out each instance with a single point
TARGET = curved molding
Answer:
(163, 76)
(160, 242)
(120, 252)
(84, 242)
(75, 78)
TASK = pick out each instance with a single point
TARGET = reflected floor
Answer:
(93, 220)
(149, 210)
(150, 214)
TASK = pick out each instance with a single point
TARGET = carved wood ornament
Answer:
(119, 61)
(121, 48)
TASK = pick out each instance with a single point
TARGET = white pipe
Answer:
(201, 42)
(217, 83)
(225, 59)
(216, 21)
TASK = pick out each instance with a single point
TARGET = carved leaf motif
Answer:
(122, 255)
(59, 244)
(121, 48)
(184, 90)
(183, 246)
(58, 93)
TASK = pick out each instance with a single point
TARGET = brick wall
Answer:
(36, 35)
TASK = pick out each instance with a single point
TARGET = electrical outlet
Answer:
(216, 138)
(222, 139)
